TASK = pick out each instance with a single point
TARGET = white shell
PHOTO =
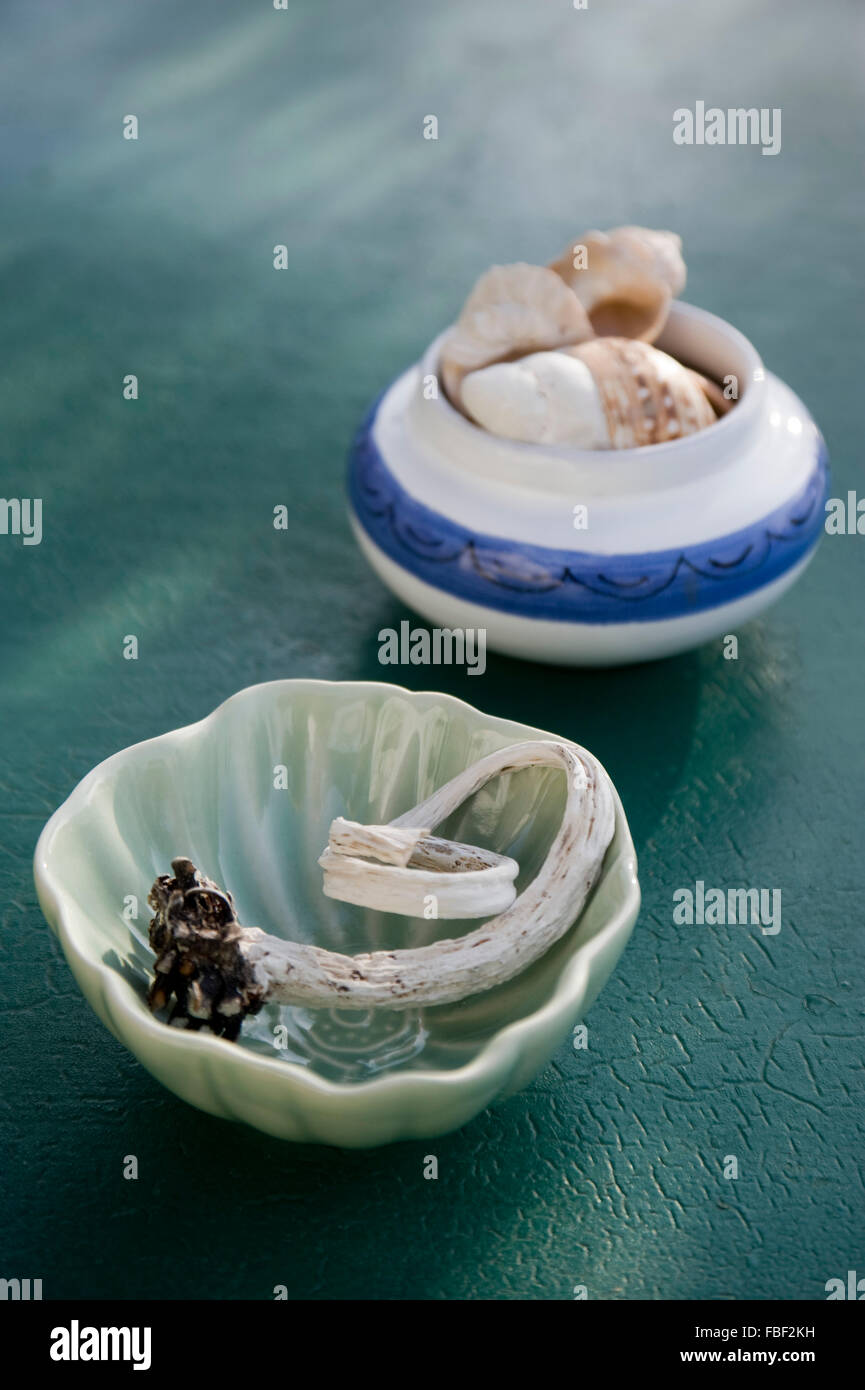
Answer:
(545, 398)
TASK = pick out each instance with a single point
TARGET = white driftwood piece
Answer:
(297, 974)
(417, 875)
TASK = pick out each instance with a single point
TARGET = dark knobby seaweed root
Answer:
(199, 964)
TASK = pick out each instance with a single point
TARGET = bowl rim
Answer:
(501, 1052)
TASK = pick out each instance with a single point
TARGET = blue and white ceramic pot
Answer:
(592, 557)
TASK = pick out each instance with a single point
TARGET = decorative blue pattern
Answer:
(576, 586)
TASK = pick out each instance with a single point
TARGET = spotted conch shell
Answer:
(610, 393)
(512, 310)
(647, 396)
(629, 280)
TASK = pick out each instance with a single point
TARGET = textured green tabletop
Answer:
(154, 257)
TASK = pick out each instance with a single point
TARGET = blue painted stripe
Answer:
(533, 581)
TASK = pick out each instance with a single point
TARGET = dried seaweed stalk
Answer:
(220, 971)
(415, 870)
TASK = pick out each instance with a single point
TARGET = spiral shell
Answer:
(629, 280)
(647, 396)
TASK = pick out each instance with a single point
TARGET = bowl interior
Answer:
(249, 794)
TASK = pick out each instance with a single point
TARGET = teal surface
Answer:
(154, 257)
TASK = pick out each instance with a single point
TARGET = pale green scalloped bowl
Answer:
(248, 794)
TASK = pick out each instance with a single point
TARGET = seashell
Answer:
(545, 398)
(631, 276)
(648, 397)
(610, 393)
(512, 310)
(720, 403)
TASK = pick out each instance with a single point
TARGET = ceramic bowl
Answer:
(369, 752)
(678, 542)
